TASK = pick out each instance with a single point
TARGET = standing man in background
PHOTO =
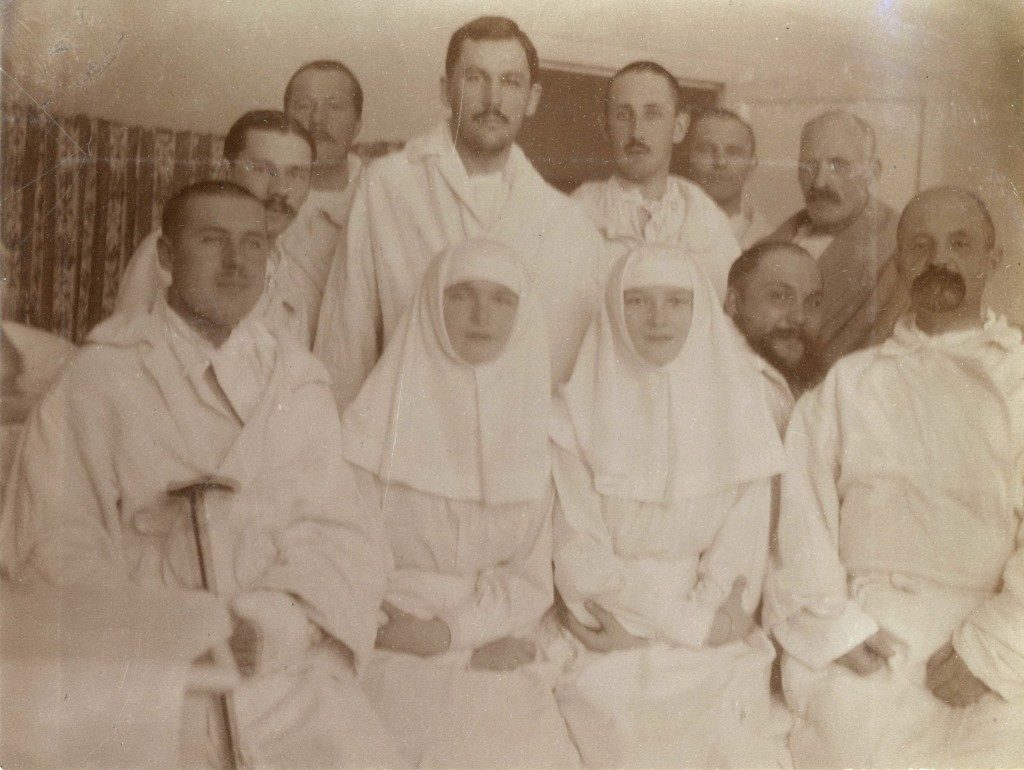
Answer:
(641, 201)
(465, 179)
(721, 153)
(325, 97)
(851, 233)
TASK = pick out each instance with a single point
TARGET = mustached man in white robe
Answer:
(455, 457)
(412, 205)
(149, 401)
(269, 165)
(898, 588)
(663, 476)
(642, 202)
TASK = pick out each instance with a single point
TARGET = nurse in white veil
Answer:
(663, 456)
(449, 438)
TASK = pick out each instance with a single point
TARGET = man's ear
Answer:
(732, 302)
(534, 99)
(165, 252)
(442, 85)
(681, 124)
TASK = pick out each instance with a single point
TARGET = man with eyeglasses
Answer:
(851, 233)
(270, 155)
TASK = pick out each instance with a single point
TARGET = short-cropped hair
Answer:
(491, 28)
(174, 210)
(747, 262)
(646, 66)
(263, 120)
(723, 114)
(328, 65)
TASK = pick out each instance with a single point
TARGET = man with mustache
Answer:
(269, 154)
(642, 201)
(326, 98)
(897, 589)
(850, 233)
(464, 179)
(774, 299)
(721, 153)
(199, 386)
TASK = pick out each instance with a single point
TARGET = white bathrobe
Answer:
(410, 206)
(87, 505)
(684, 216)
(663, 477)
(901, 510)
(455, 457)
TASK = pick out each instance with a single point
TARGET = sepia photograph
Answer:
(511, 384)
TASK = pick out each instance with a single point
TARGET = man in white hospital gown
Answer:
(198, 386)
(898, 588)
(464, 179)
(269, 154)
(642, 201)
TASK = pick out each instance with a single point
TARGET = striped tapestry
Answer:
(77, 195)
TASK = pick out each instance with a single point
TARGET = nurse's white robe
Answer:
(684, 216)
(486, 571)
(408, 207)
(663, 571)
(87, 505)
(901, 510)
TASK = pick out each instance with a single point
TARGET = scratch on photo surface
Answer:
(83, 152)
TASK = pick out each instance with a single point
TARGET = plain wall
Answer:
(195, 64)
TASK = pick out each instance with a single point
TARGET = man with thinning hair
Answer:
(721, 154)
(897, 588)
(199, 387)
(642, 201)
(850, 232)
(465, 179)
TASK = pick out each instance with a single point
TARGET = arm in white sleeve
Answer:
(991, 641)
(60, 521)
(740, 549)
(331, 548)
(649, 597)
(807, 602)
(509, 598)
(349, 330)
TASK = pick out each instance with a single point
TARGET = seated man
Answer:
(774, 299)
(199, 386)
(270, 155)
(898, 588)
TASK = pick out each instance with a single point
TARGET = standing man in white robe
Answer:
(642, 201)
(721, 154)
(774, 300)
(270, 155)
(326, 98)
(198, 386)
(465, 179)
(898, 588)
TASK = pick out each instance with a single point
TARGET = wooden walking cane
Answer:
(195, 491)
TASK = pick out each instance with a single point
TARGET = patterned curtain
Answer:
(77, 195)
